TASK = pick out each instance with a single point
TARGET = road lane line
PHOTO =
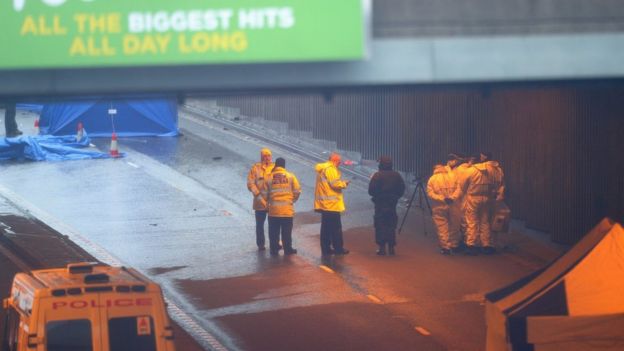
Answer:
(422, 331)
(374, 298)
(14, 259)
(327, 269)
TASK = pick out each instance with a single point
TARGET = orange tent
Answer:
(575, 303)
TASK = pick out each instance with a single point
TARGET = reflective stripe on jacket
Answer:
(328, 189)
(256, 184)
(283, 188)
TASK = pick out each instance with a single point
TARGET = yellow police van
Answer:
(86, 307)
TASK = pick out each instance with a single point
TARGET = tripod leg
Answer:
(428, 204)
(409, 205)
(421, 195)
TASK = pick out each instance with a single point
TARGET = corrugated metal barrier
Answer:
(561, 146)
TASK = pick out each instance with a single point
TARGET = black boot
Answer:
(488, 250)
(14, 133)
(471, 250)
(382, 250)
(391, 250)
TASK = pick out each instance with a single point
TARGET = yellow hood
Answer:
(439, 169)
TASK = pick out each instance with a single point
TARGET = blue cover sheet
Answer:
(48, 148)
(138, 117)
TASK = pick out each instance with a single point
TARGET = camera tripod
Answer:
(422, 194)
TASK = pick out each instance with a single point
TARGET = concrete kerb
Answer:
(280, 133)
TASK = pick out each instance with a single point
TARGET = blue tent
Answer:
(137, 117)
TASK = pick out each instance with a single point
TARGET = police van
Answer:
(86, 307)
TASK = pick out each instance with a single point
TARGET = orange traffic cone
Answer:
(37, 126)
(79, 131)
(114, 152)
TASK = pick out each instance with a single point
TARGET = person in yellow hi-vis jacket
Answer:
(497, 195)
(477, 207)
(256, 184)
(462, 171)
(446, 215)
(329, 202)
(497, 191)
(284, 190)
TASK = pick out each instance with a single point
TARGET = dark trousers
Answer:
(331, 232)
(260, 218)
(283, 226)
(10, 126)
(385, 225)
(385, 235)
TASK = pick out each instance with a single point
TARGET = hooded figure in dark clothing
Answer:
(386, 187)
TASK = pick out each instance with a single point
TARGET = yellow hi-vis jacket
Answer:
(497, 189)
(477, 183)
(284, 190)
(328, 189)
(257, 185)
(462, 172)
(441, 185)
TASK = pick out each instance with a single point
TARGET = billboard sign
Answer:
(107, 33)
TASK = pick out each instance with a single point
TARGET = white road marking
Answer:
(374, 298)
(327, 269)
(422, 331)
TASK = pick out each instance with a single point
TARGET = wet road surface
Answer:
(178, 210)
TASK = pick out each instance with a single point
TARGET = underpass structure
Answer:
(539, 84)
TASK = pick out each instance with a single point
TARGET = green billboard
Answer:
(105, 33)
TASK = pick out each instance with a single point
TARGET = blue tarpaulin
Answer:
(48, 148)
(138, 117)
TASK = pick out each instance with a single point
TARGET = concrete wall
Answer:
(559, 144)
(409, 18)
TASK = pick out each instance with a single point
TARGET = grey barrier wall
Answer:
(561, 146)
(415, 18)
